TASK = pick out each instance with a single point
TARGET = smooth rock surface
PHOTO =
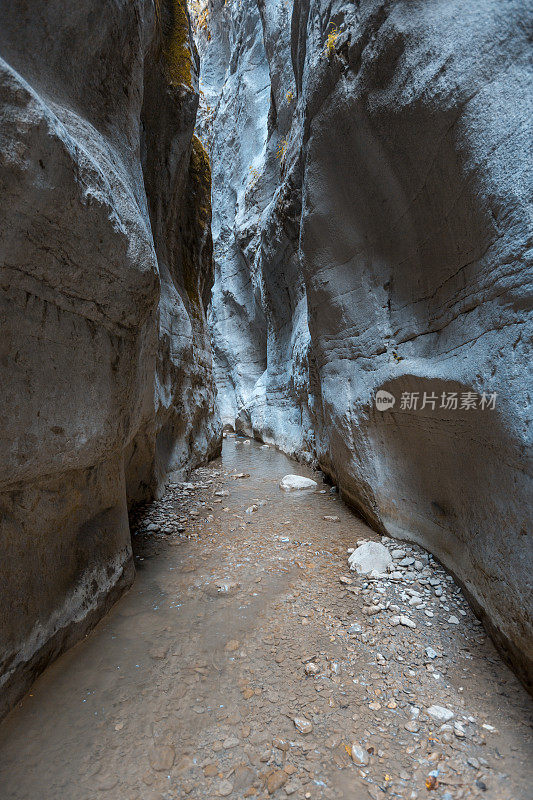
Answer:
(371, 223)
(105, 257)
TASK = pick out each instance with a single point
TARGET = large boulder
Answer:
(105, 363)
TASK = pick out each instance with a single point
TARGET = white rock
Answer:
(359, 755)
(408, 623)
(371, 557)
(292, 483)
(453, 620)
(303, 725)
(398, 553)
(440, 714)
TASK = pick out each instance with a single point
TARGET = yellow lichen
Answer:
(333, 35)
(282, 149)
(174, 21)
(199, 11)
(254, 176)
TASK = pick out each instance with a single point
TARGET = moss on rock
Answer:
(174, 21)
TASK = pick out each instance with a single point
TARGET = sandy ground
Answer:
(248, 661)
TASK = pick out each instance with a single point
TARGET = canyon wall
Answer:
(371, 224)
(105, 274)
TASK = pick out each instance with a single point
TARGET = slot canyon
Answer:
(266, 483)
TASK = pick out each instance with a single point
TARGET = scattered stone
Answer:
(359, 755)
(453, 620)
(370, 558)
(292, 483)
(440, 714)
(397, 554)
(331, 518)
(280, 744)
(243, 777)
(162, 758)
(224, 788)
(346, 581)
(431, 653)
(303, 725)
(311, 668)
(276, 780)
(291, 788)
(230, 742)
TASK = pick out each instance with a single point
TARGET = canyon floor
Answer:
(248, 661)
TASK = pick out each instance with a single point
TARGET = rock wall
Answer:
(372, 232)
(106, 269)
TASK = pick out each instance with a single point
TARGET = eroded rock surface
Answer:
(371, 229)
(105, 255)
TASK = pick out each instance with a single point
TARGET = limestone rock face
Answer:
(371, 228)
(105, 271)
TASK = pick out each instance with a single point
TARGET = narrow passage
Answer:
(248, 661)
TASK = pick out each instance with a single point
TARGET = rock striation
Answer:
(371, 229)
(105, 274)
